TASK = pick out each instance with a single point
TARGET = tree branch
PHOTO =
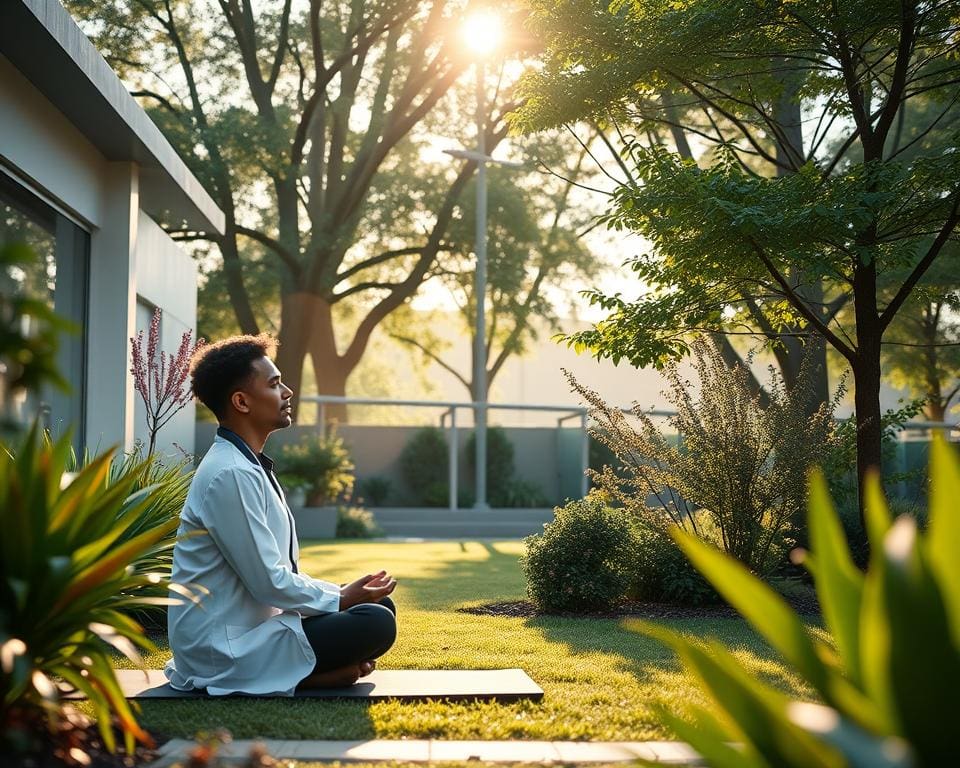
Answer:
(801, 305)
(433, 356)
(165, 103)
(949, 225)
(274, 245)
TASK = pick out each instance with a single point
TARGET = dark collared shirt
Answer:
(267, 463)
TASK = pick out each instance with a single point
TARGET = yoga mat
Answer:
(406, 684)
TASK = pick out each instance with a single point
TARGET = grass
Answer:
(600, 680)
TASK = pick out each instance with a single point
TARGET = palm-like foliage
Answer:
(170, 483)
(889, 679)
(77, 552)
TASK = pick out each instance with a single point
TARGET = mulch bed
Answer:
(806, 605)
(74, 741)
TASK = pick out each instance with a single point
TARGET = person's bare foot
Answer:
(335, 678)
(366, 667)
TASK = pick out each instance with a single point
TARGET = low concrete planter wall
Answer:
(547, 458)
(315, 522)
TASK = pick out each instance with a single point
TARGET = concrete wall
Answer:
(539, 457)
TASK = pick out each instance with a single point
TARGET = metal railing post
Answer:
(584, 454)
(454, 453)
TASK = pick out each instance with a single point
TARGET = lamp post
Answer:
(480, 296)
(482, 35)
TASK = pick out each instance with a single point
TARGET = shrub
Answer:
(504, 488)
(662, 573)
(583, 559)
(356, 523)
(321, 465)
(425, 467)
(376, 490)
(76, 551)
(741, 465)
(888, 679)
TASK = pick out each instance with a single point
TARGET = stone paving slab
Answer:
(406, 684)
(425, 751)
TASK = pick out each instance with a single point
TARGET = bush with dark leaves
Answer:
(583, 561)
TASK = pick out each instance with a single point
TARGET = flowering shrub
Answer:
(583, 560)
(160, 379)
(741, 466)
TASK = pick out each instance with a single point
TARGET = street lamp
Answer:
(482, 33)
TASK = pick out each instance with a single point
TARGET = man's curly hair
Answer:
(220, 369)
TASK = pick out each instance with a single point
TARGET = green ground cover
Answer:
(601, 681)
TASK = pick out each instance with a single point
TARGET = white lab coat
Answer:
(246, 636)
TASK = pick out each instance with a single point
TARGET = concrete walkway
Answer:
(424, 751)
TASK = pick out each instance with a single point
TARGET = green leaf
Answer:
(861, 748)
(757, 711)
(710, 740)
(943, 539)
(766, 611)
(924, 665)
(875, 512)
(839, 582)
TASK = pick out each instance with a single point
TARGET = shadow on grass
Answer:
(493, 575)
(651, 662)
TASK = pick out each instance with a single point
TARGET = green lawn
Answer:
(601, 681)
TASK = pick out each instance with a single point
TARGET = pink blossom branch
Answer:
(161, 379)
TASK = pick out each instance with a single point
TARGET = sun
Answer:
(482, 32)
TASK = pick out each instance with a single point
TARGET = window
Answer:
(57, 277)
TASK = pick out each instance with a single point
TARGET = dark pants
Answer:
(360, 633)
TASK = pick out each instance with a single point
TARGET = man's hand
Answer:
(367, 589)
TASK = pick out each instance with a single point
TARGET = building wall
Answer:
(131, 258)
(36, 140)
(162, 273)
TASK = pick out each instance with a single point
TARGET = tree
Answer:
(535, 248)
(922, 348)
(293, 117)
(602, 66)
(854, 67)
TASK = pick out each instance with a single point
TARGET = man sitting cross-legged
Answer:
(265, 627)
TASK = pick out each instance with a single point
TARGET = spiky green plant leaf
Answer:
(891, 685)
(943, 543)
(80, 550)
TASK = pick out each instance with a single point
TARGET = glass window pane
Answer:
(55, 277)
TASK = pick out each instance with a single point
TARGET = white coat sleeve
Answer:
(234, 513)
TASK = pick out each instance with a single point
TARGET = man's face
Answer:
(264, 398)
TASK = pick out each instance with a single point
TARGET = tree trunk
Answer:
(297, 312)
(334, 383)
(866, 382)
(866, 379)
(330, 370)
(790, 154)
(813, 352)
(237, 292)
(935, 409)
